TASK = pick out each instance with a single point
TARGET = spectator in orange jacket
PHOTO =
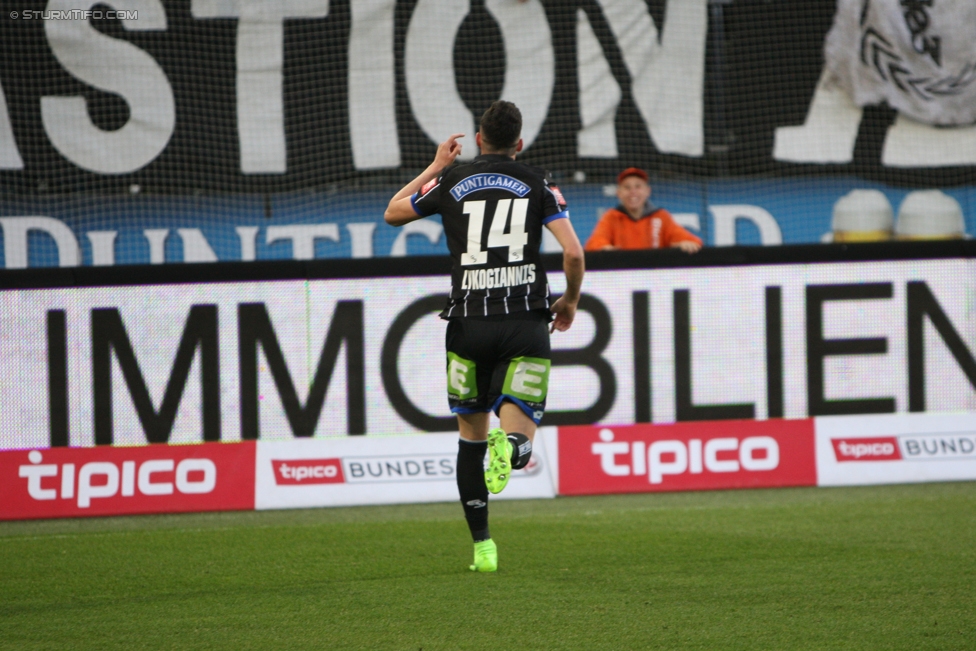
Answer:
(637, 223)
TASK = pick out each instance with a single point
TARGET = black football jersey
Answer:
(493, 210)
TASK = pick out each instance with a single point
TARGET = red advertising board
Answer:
(73, 482)
(307, 471)
(686, 456)
(879, 448)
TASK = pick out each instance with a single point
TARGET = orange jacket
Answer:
(655, 230)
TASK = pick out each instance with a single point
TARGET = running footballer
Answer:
(500, 312)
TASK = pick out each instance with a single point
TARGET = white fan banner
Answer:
(919, 56)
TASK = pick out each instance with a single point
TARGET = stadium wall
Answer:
(166, 131)
(106, 231)
(839, 362)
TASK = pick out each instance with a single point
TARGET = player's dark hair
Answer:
(501, 127)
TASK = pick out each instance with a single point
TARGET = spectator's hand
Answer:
(447, 151)
(565, 312)
(688, 246)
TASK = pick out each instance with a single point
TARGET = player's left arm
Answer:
(400, 210)
(574, 265)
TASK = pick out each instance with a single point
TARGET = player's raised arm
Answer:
(400, 210)
(573, 266)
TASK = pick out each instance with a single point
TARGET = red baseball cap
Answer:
(631, 171)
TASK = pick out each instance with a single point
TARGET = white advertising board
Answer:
(895, 449)
(279, 360)
(359, 470)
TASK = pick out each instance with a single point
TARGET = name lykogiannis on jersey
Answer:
(498, 277)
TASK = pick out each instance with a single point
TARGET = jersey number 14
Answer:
(515, 239)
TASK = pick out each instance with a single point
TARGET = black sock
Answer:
(521, 450)
(471, 486)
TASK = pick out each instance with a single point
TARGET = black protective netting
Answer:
(310, 113)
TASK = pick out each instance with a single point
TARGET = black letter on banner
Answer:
(774, 352)
(254, 326)
(921, 302)
(590, 356)
(108, 332)
(389, 359)
(57, 378)
(684, 408)
(642, 357)
(818, 348)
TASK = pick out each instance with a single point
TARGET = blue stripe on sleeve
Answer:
(413, 203)
(559, 215)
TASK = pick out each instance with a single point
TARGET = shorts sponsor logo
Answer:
(686, 456)
(866, 449)
(527, 379)
(297, 472)
(461, 378)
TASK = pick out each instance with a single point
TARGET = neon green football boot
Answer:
(499, 461)
(485, 556)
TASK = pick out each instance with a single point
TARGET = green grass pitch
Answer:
(889, 567)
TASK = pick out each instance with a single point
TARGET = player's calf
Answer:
(521, 449)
